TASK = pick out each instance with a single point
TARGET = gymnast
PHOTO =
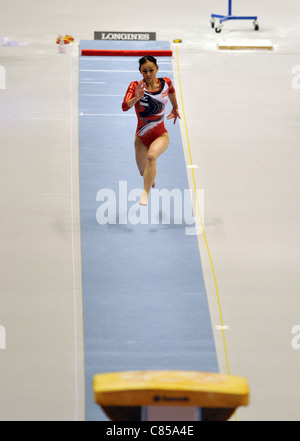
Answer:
(150, 97)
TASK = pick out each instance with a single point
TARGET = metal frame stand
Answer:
(223, 18)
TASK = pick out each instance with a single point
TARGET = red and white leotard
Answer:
(150, 109)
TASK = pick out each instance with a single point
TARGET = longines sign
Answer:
(136, 36)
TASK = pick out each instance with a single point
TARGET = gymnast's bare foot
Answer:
(144, 198)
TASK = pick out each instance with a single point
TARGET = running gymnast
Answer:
(150, 97)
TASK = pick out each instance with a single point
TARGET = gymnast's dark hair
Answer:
(146, 58)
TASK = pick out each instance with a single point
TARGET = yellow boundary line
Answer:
(198, 205)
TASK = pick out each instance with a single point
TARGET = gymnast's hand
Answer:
(174, 114)
(139, 90)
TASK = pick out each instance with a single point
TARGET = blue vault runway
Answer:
(144, 297)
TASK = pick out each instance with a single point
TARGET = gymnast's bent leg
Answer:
(141, 152)
(157, 147)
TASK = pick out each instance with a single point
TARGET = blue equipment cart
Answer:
(223, 18)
